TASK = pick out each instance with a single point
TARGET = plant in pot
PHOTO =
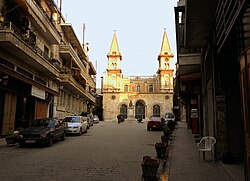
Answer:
(149, 168)
(161, 149)
(166, 134)
(171, 125)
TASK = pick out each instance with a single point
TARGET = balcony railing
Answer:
(41, 15)
(69, 49)
(28, 37)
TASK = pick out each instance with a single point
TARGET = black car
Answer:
(45, 130)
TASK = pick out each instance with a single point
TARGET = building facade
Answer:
(213, 46)
(137, 96)
(44, 69)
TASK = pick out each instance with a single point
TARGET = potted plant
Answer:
(166, 134)
(166, 130)
(161, 149)
(149, 167)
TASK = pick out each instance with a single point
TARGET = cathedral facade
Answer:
(137, 96)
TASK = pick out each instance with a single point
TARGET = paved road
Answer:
(109, 151)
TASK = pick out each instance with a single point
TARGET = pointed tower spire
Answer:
(114, 48)
(165, 48)
(114, 57)
(165, 72)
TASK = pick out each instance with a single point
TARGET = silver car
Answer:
(169, 117)
(76, 125)
(96, 119)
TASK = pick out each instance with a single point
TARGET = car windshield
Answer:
(72, 119)
(155, 119)
(43, 122)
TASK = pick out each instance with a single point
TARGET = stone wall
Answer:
(113, 101)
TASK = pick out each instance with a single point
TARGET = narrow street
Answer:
(109, 151)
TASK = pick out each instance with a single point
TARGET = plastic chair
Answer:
(206, 144)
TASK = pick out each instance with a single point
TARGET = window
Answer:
(150, 88)
(114, 65)
(138, 88)
(167, 80)
(126, 88)
(156, 110)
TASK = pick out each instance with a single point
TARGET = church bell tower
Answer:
(114, 72)
(164, 72)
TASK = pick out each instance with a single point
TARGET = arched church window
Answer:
(166, 65)
(126, 88)
(150, 88)
(167, 80)
(138, 88)
(156, 110)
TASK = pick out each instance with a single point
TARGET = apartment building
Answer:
(44, 70)
(213, 45)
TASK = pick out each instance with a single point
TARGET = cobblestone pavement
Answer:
(108, 152)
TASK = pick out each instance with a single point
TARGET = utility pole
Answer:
(83, 36)
(60, 10)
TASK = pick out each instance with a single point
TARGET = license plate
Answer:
(30, 141)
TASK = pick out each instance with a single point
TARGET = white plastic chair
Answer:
(206, 144)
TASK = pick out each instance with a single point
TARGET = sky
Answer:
(139, 27)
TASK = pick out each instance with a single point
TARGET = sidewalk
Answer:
(182, 163)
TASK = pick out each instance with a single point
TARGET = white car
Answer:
(96, 119)
(169, 117)
(76, 125)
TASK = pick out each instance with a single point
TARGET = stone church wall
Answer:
(113, 102)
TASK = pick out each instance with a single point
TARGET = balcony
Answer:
(189, 66)
(67, 52)
(71, 84)
(12, 40)
(41, 18)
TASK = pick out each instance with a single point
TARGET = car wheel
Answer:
(86, 130)
(50, 141)
(63, 137)
(80, 132)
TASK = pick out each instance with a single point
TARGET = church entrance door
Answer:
(140, 109)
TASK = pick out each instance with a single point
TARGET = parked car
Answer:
(169, 117)
(45, 130)
(96, 119)
(76, 125)
(155, 123)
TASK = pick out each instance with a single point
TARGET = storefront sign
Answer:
(38, 92)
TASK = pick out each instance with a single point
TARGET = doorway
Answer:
(140, 109)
